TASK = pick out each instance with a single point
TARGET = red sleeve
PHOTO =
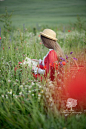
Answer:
(49, 60)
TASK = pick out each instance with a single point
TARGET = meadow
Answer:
(50, 12)
(23, 100)
(21, 96)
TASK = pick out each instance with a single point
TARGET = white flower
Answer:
(47, 96)
(38, 98)
(6, 96)
(2, 96)
(21, 86)
(20, 93)
(15, 96)
(29, 87)
(42, 91)
(50, 99)
(16, 80)
(23, 83)
(10, 92)
(39, 94)
(9, 81)
(14, 84)
(32, 94)
(29, 91)
(26, 86)
(32, 83)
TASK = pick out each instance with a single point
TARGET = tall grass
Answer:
(21, 96)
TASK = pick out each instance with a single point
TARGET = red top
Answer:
(48, 62)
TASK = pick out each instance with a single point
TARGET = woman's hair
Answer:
(52, 44)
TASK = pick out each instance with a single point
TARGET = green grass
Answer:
(50, 12)
(21, 107)
(22, 98)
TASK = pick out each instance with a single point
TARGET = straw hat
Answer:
(49, 34)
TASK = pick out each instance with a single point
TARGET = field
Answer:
(50, 12)
(25, 103)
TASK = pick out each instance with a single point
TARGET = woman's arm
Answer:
(38, 70)
(35, 60)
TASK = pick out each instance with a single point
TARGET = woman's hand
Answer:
(35, 60)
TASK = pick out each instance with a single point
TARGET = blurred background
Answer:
(43, 12)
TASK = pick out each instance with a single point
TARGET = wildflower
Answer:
(9, 81)
(2, 96)
(60, 63)
(39, 95)
(10, 92)
(44, 67)
(40, 43)
(15, 95)
(40, 86)
(29, 91)
(3, 48)
(66, 57)
(63, 62)
(0, 37)
(30, 87)
(42, 91)
(9, 47)
(38, 35)
(32, 83)
(74, 58)
(38, 98)
(69, 31)
(26, 86)
(14, 84)
(16, 80)
(32, 94)
(23, 83)
(6, 96)
(21, 86)
(62, 58)
(20, 93)
(71, 52)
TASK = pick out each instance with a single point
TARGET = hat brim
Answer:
(47, 36)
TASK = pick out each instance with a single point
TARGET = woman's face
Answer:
(44, 43)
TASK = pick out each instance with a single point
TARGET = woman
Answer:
(54, 55)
